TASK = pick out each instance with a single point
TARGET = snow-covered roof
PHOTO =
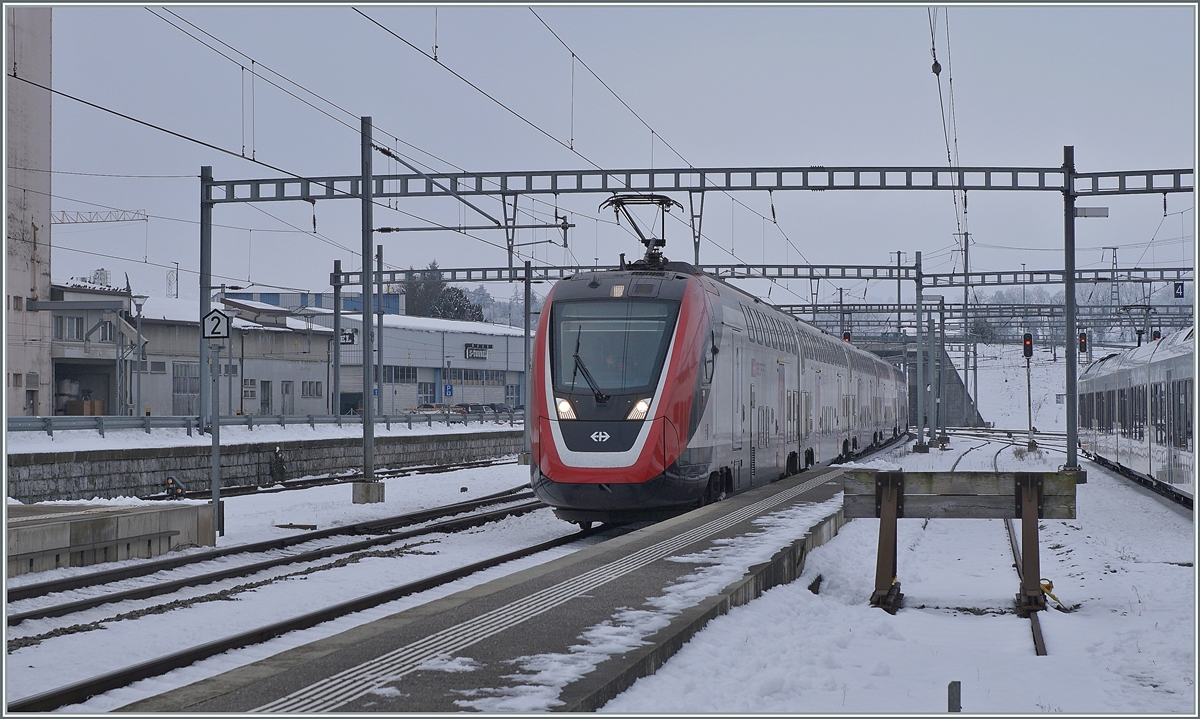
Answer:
(255, 306)
(427, 324)
(170, 309)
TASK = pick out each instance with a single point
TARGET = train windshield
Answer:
(621, 344)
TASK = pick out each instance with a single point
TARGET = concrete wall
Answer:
(75, 541)
(27, 37)
(143, 472)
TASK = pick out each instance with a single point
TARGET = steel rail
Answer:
(1039, 642)
(330, 479)
(170, 587)
(144, 568)
(82, 691)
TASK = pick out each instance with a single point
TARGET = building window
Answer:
(310, 389)
(489, 377)
(18, 302)
(229, 369)
(185, 388)
(107, 332)
(68, 328)
(426, 392)
(158, 368)
(249, 389)
(16, 379)
(393, 374)
(512, 395)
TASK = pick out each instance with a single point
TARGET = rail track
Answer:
(374, 526)
(332, 479)
(524, 505)
(81, 691)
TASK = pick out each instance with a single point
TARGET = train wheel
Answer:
(585, 526)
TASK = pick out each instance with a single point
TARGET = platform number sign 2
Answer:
(1179, 290)
(215, 325)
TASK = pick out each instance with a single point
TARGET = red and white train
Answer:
(659, 388)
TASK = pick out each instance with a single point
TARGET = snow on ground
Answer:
(1002, 388)
(59, 660)
(1129, 646)
(79, 440)
(1127, 562)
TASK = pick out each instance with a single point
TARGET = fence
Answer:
(101, 424)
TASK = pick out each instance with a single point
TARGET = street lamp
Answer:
(138, 302)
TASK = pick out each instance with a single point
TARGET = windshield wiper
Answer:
(601, 398)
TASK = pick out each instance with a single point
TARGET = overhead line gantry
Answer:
(509, 186)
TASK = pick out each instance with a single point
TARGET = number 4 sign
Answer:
(215, 325)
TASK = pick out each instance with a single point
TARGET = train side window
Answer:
(749, 324)
(1123, 412)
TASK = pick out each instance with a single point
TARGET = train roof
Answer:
(666, 267)
(1176, 344)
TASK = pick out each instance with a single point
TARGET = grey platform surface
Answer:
(378, 667)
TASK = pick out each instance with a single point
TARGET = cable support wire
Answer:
(655, 134)
(937, 72)
(567, 146)
(255, 65)
(227, 152)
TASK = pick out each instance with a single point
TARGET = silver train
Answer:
(1135, 413)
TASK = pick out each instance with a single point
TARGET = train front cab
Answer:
(616, 372)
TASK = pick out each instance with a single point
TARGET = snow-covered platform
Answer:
(53, 535)
(580, 629)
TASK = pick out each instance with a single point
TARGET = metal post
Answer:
(525, 376)
(216, 438)
(967, 345)
(335, 402)
(1029, 404)
(920, 362)
(138, 355)
(206, 209)
(379, 339)
(943, 400)
(841, 314)
(368, 417)
(229, 373)
(899, 324)
(934, 398)
(1069, 291)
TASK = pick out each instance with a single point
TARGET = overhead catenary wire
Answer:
(237, 155)
(255, 64)
(653, 133)
(525, 120)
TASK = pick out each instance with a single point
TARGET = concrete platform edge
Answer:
(620, 672)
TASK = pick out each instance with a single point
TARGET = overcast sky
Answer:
(722, 86)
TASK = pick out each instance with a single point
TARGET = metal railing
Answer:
(102, 423)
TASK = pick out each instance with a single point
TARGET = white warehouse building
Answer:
(429, 360)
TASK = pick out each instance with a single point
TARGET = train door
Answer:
(1170, 421)
(739, 379)
(753, 426)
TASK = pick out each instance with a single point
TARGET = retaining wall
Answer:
(143, 471)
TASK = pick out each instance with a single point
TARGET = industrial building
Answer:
(429, 360)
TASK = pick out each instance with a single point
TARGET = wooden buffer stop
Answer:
(1028, 496)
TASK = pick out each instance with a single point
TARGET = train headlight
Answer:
(565, 410)
(639, 410)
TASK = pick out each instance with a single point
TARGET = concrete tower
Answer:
(28, 370)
